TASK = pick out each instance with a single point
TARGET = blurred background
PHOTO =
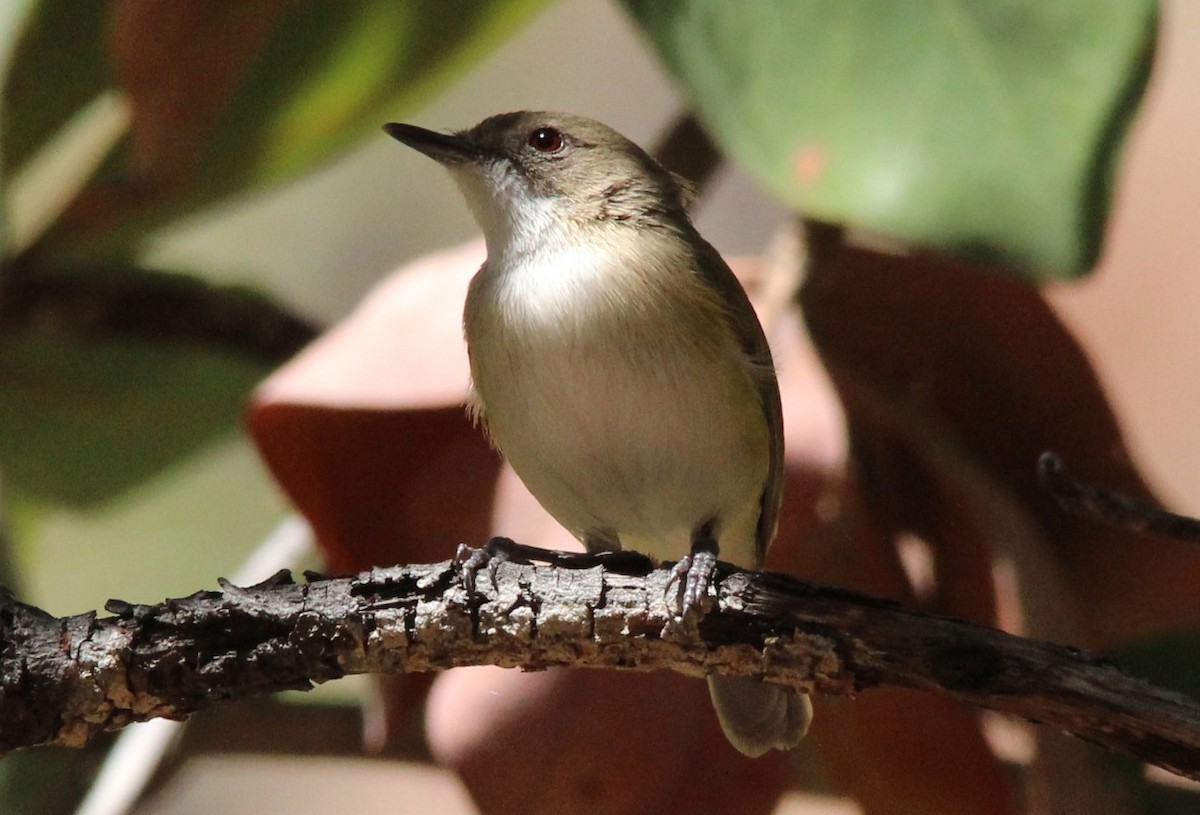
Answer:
(318, 244)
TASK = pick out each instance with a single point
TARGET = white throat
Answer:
(516, 222)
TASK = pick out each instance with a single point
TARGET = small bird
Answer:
(618, 365)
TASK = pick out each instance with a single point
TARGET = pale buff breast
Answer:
(617, 424)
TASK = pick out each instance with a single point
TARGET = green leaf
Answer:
(49, 780)
(979, 127)
(83, 419)
(57, 68)
(110, 373)
(1172, 661)
(226, 95)
(11, 17)
(165, 537)
(388, 58)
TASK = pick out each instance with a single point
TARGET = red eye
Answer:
(546, 140)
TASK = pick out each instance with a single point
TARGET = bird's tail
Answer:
(757, 716)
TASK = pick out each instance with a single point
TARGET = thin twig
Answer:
(1113, 508)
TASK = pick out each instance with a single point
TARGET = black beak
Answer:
(442, 147)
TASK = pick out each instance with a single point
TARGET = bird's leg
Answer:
(694, 572)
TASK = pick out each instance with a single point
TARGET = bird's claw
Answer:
(694, 572)
(470, 561)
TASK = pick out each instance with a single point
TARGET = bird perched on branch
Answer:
(619, 366)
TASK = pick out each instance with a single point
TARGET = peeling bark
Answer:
(64, 680)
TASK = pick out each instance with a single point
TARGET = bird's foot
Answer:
(470, 561)
(694, 572)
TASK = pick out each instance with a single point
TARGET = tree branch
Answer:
(64, 680)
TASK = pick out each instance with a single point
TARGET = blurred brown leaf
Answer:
(157, 52)
(895, 752)
(365, 430)
(592, 742)
(954, 381)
